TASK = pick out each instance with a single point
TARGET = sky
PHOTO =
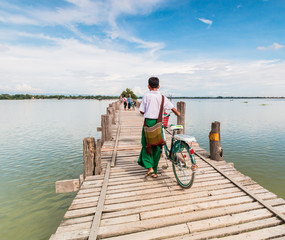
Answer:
(93, 47)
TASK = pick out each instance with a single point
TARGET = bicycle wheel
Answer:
(183, 164)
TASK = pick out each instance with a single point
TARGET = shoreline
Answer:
(100, 97)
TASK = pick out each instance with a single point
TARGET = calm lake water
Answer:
(41, 142)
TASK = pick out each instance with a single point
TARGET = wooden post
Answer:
(114, 115)
(98, 168)
(117, 104)
(216, 151)
(103, 128)
(89, 156)
(181, 107)
(106, 124)
(110, 112)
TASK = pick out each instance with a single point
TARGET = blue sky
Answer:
(195, 47)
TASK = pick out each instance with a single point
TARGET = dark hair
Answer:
(153, 82)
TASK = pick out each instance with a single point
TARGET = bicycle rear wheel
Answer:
(183, 164)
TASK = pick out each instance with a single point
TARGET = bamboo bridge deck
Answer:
(122, 204)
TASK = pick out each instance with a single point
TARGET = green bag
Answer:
(153, 134)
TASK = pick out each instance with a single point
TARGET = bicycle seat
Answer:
(185, 138)
(176, 127)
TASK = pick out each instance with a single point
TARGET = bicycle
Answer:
(180, 154)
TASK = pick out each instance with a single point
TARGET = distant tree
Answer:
(128, 92)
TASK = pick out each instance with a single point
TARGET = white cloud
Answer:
(139, 91)
(103, 13)
(207, 21)
(274, 46)
(71, 67)
(27, 88)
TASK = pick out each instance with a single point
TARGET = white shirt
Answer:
(151, 102)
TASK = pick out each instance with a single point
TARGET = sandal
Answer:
(154, 175)
(149, 173)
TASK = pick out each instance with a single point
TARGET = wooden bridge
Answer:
(121, 203)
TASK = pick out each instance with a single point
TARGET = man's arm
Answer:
(175, 112)
(141, 112)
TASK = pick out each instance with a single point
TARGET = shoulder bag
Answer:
(153, 134)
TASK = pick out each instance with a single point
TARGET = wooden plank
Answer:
(163, 192)
(174, 185)
(91, 194)
(176, 196)
(80, 212)
(82, 205)
(170, 204)
(193, 207)
(257, 198)
(70, 235)
(228, 220)
(230, 230)
(277, 231)
(76, 220)
(159, 200)
(85, 200)
(74, 227)
(64, 186)
(119, 220)
(113, 162)
(120, 229)
(160, 233)
(96, 221)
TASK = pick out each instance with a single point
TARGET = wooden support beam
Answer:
(216, 151)
(64, 186)
(181, 107)
(112, 112)
(98, 167)
(113, 162)
(248, 192)
(89, 156)
(99, 209)
(106, 128)
(117, 104)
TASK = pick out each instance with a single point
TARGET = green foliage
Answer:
(128, 92)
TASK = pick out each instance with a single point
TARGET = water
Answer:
(41, 142)
(252, 135)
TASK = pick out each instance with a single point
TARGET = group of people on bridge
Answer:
(128, 102)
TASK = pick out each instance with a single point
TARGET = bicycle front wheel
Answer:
(183, 164)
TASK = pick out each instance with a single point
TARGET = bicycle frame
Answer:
(167, 150)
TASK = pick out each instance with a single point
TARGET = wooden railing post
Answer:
(117, 104)
(110, 112)
(106, 127)
(216, 151)
(181, 107)
(98, 168)
(89, 156)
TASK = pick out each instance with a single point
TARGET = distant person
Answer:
(125, 103)
(150, 107)
(134, 104)
(129, 102)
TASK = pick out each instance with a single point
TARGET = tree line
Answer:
(29, 96)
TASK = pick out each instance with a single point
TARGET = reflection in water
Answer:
(41, 142)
